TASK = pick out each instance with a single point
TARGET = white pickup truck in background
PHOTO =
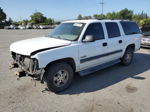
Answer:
(82, 46)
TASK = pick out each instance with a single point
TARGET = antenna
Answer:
(102, 3)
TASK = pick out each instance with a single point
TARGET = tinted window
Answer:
(112, 29)
(96, 30)
(130, 27)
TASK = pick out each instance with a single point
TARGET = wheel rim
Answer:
(128, 57)
(60, 78)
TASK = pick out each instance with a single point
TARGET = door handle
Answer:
(120, 41)
(104, 44)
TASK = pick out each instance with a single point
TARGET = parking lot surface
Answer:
(114, 89)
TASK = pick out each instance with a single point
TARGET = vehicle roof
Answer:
(92, 20)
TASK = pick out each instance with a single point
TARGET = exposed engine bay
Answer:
(26, 65)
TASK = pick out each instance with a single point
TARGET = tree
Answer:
(9, 22)
(101, 16)
(113, 15)
(126, 14)
(145, 22)
(79, 17)
(2, 15)
(49, 21)
(25, 22)
(87, 17)
(143, 15)
(37, 18)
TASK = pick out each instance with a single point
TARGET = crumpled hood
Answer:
(26, 47)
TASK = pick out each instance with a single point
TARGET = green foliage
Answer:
(25, 22)
(145, 22)
(87, 17)
(101, 16)
(37, 18)
(139, 17)
(113, 15)
(8, 22)
(49, 21)
(124, 14)
(2, 15)
(79, 17)
(40, 19)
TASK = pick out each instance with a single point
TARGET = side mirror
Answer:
(89, 38)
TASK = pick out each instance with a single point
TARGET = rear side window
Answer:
(112, 29)
(96, 30)
(130, 28)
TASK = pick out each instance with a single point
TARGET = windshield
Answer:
(67, 31)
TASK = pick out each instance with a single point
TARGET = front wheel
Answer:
(59, 76)
(128, 56)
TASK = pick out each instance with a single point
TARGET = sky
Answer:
(68, 9)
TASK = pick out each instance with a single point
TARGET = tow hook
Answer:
(20, 74)
(13, 65)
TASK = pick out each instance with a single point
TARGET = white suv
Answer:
(82, 46)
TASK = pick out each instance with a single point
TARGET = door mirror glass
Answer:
(89, 38)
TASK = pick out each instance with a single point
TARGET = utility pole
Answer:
(102, 3)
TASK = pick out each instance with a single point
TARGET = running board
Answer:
(97, 68)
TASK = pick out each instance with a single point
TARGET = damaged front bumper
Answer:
(26, 65)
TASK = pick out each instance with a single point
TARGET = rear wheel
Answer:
(58, 76)
(128, 56)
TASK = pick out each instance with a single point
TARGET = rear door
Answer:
(115, 40)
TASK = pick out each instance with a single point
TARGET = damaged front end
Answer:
(26, 66)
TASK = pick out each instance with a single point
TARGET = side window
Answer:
(130, 27)
(112, 29)
(96, 30)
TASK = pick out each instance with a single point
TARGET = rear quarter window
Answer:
(130, 28)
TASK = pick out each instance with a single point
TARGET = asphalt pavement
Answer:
(114, 89)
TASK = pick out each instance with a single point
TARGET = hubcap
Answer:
(60, 78)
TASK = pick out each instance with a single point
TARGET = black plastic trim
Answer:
(100, 56)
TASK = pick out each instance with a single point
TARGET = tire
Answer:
(59, 76)
(128, 57)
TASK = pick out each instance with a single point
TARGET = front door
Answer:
(92, 53)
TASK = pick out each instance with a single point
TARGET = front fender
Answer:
(48, 56)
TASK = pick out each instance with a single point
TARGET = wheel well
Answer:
(70, 61)
(131, 46)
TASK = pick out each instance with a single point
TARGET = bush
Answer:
(145, 22)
